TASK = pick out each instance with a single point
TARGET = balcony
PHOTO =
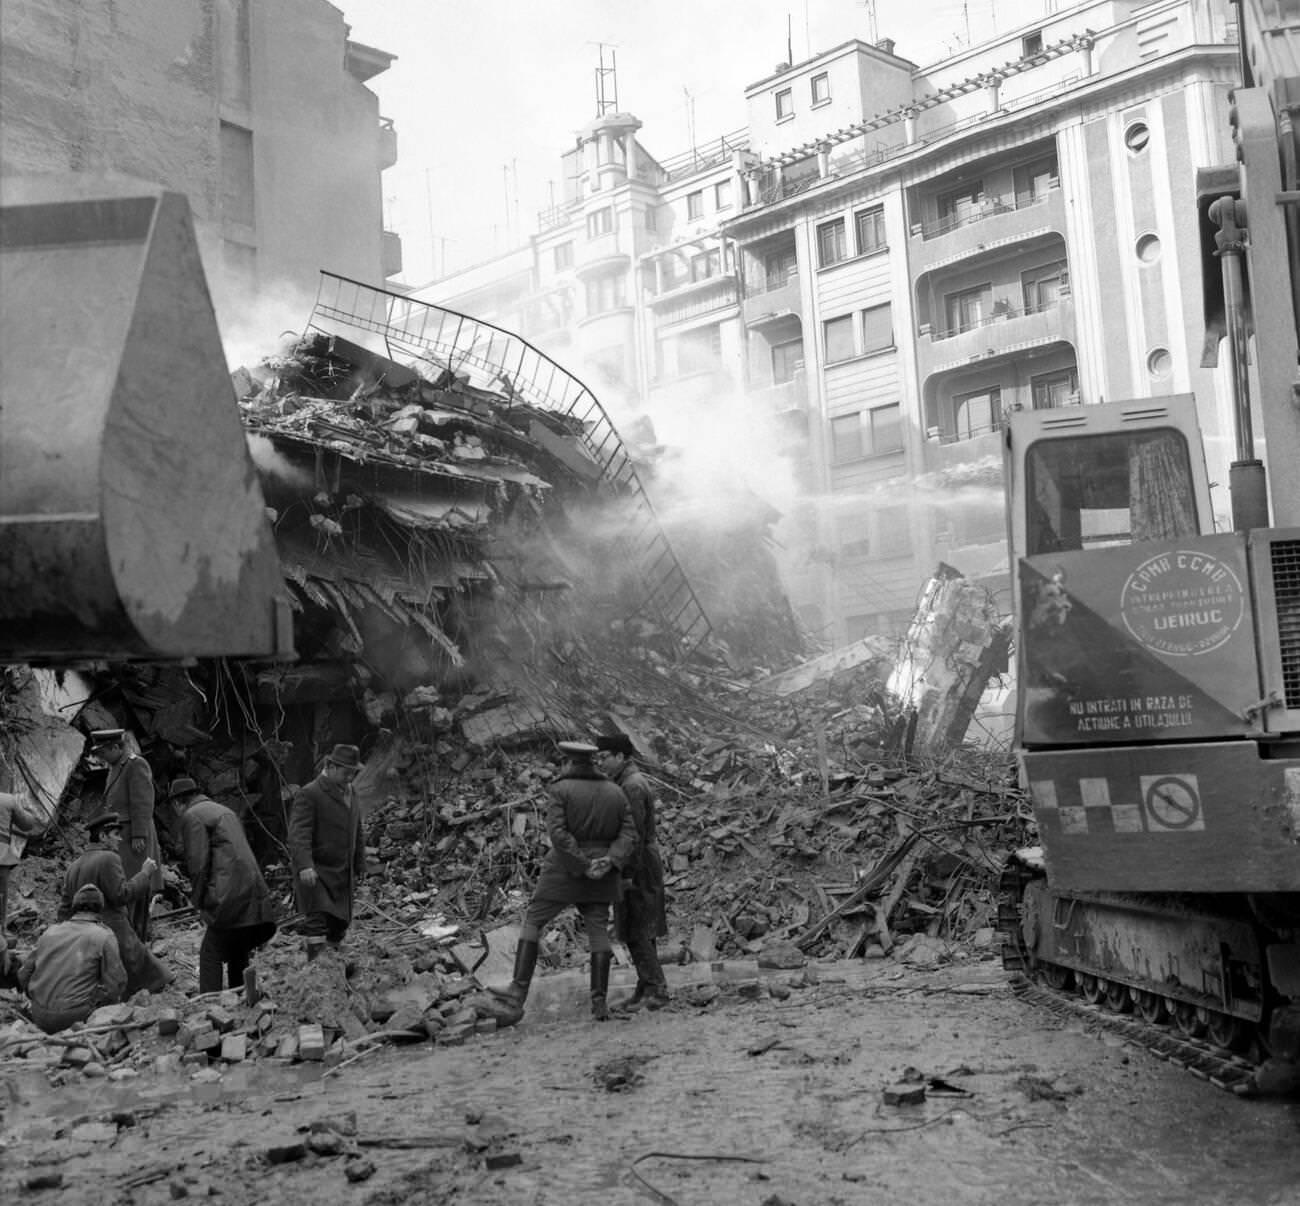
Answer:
(769, 301)
(600, 254)
(387, 143)
(784, 398)
(1008, 333)
(690, 299)
(999, 221)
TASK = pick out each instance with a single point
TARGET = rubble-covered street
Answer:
(919, 1079)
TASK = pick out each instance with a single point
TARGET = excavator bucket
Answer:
(132, 524)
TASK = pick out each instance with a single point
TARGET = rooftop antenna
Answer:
(690, 119)
(606, 82)
(873, 31)
(789, 39)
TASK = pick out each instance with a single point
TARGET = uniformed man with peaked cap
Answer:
(592, 839)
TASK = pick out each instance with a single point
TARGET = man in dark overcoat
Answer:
(129, 792)
(327, 849)
(640, 918)
(101, 866)
(227, 887)
(592, 840)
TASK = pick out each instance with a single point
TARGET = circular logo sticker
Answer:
(1183, 603)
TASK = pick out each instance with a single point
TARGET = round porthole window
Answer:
(1160, 364)
(1136, 137)
(1148, 248)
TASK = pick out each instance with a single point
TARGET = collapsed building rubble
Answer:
(473, 576)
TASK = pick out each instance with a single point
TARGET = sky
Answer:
(487, 94)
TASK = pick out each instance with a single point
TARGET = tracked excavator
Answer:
(1158, 709)
(132, 525)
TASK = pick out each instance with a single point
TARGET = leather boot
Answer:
(656, 996)
(636, 1000)
(601, 961)
(516, 992)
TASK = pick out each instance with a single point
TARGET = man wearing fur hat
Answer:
(592, 839)
(129, 792)
(639, 918)
(101, 867)
(74, 968)
(328, 852)
(228, 889)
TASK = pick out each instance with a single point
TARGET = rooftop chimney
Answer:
(886, 44)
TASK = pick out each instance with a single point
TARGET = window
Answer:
(959, 205)
(695, 204)
(563, 256)
(722, 195)
(877, 329)
(831, 244)
(784, 104)
(968, 309)
(706, 264)
(1043, 287)
(601, 222)
(699, 350)
(873, 432)
(787, 360)
(237, 174)
(1051, 390)
(860, 546)
(651, 220)
(869, 225)
(893, 535)
(1031, 44)
(606, 293)
(779, 267)
(977, 413)
(885, 429)
(1032, 180)
(846, 438)
(838, 338)
(1136, 137)
(821, 89)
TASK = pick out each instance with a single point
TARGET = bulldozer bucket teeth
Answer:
(132, 523)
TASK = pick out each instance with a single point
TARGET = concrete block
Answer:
(234, 1048)
(311, 1042)
(169, 1021)
(222, 1020)
(904, 1093)
(77, 1057)
(110, 1015)
(287, 1048)
(496, 1160)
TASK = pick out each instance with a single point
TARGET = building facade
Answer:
(888, 259)
(256, 109)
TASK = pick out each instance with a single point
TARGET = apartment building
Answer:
(256, 109)
(890, 257)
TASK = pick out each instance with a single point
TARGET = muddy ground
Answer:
(752, 1098)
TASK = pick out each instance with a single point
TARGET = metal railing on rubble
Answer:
(506, 364)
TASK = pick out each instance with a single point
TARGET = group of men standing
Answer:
(604, 851)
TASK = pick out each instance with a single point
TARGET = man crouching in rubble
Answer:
(327, 849)
(592, 840)
(228, 889)
(101, 867)
(639, 918)
(74, 968)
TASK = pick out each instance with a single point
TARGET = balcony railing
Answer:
(1000, 313)
(715, 151)
(556, 215)
(988, 208)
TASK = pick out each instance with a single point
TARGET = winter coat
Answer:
(587, 818)
(229, 891)
(129, 793)
(104, 869)
(644, 876)
(74, 965)
(15, 819)
(325, 833)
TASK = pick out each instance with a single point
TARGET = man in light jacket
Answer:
(228, 889)
(74, 967)
(16, 821)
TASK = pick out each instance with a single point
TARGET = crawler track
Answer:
(1202, 1060)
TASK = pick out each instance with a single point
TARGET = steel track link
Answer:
(1222, 1069)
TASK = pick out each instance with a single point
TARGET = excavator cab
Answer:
(132, 524)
